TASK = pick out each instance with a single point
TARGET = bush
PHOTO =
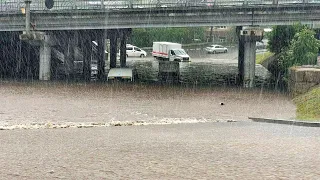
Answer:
(308, 105)
(145, 37)
(302, 50)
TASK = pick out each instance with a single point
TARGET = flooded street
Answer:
(54, 102)
(79, 98)
(61, 130)
(238, 150)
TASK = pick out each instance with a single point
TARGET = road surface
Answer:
(238, 150)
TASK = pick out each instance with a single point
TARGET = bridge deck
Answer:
(62, 18)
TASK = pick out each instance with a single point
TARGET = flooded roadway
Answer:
(61, 103)
(200, 140)
(238, 150)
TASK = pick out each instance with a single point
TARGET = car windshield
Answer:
(179, 52)
(220, 89)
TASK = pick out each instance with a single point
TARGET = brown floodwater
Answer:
(53, 102)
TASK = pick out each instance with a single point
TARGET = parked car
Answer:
(216, 49)
(260, 45)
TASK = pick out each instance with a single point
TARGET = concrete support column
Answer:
(101, 54)
(249, 63)
(27, 11)
(123, 51)
(69, 53)
(240, 56)
(102, 4)
(45, 61)
(249, 37)
(87, 50)
(113, 49)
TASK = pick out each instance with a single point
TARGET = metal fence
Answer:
(39, 5)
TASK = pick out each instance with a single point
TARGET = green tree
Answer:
(303, 49)
(145, 37)
(281, 36)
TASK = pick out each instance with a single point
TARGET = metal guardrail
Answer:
(39, 5)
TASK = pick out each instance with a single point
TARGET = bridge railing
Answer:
(39, 5)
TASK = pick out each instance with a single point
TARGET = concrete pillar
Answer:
(123, 51)
(102, 4)
(45, 61)
(87, 50)
(240, 56)
(113, 49)
(249, 63)
(101, 38)
(27, 11)
(69, 53)
(249, 37)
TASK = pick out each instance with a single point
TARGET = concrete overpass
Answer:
(80, 26)
(164, 17)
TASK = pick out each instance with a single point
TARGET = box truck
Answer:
(169, 51)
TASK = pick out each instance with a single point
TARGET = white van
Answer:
(134, 51)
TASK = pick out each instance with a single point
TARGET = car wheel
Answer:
(225, 51)
(213, 52)
(142, 55)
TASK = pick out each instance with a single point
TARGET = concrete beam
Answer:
(169, 17)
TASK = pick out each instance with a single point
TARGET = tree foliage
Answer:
(281, 36)
(145, 37)
(302, 50)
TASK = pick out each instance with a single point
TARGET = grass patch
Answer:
(263, 56)
(308, 105)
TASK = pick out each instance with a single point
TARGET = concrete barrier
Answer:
(288, 122)
(303, 78)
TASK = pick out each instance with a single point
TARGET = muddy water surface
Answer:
(101, 103)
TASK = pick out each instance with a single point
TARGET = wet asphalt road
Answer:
(198, 54)
(216, 69)
(238, 150)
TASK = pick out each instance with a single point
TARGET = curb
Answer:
(289, 122)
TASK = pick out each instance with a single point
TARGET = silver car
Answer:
(216, 49)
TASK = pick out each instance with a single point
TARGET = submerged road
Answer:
(237, 150)
(41, 102)
(207, 144)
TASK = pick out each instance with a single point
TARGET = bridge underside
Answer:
(64, 55)
(163, 17)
